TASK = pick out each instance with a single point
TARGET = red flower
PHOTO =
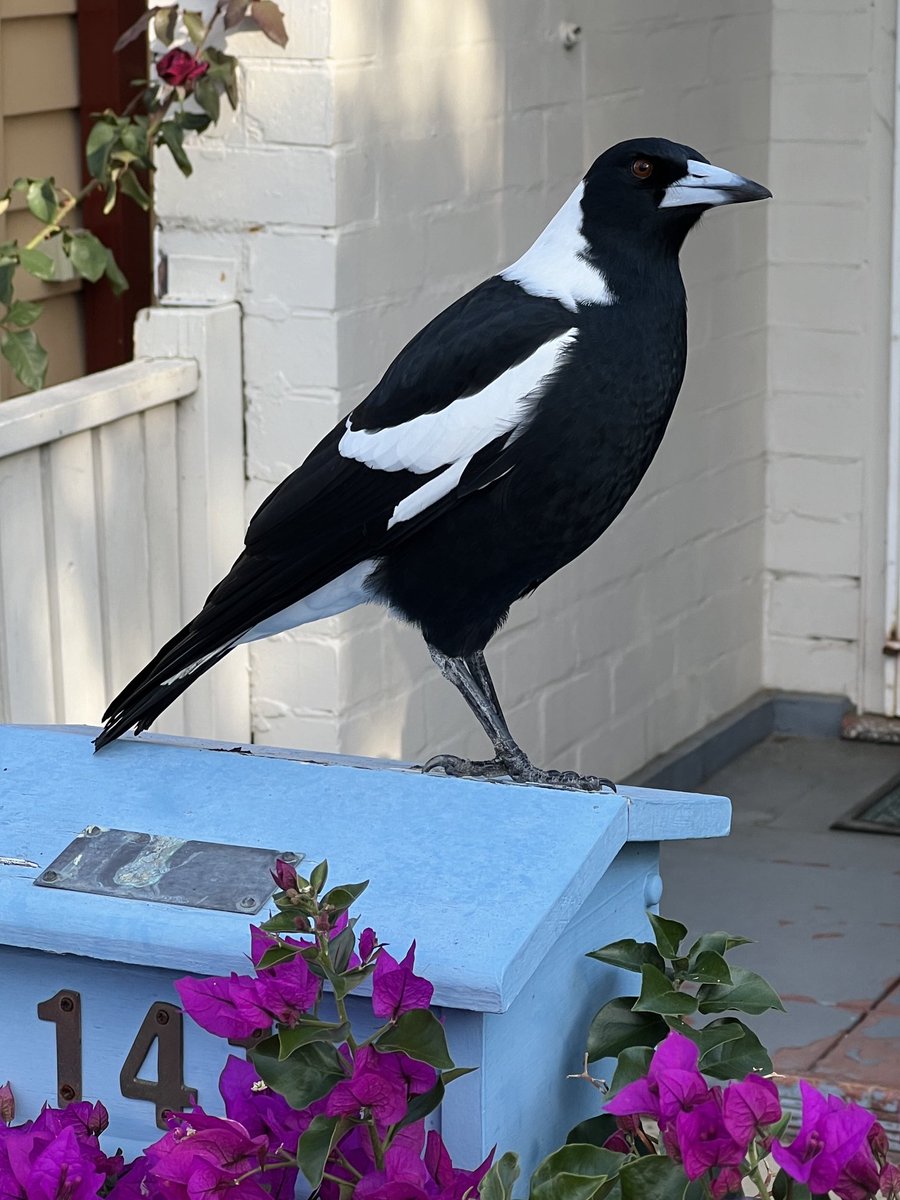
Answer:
(179, 68)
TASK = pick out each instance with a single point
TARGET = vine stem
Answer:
(756, 1175)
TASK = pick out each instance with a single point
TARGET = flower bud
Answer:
(284, 875)
(7, 1104)
(889, 1181)
(878, 1141)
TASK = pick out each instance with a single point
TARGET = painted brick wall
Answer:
(829, 276)
(398, 152)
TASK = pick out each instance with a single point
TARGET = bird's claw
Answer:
(518, 772)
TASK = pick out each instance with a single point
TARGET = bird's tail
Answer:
(183, 659)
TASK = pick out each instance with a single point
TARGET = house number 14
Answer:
(163, 1024)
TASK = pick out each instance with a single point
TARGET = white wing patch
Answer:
(460, 430)
(556, 266)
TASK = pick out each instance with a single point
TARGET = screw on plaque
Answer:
(49, 877)
(289, 856)
(248, 902)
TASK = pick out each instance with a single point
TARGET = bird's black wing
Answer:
(345, 503)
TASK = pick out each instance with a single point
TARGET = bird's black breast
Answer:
(592, 438)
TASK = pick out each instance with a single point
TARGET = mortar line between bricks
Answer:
(833, 1045)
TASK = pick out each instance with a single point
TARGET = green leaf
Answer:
(164, 22)
(117, 280)
(633, 1063)
(194, 121)
(719, 942)
(88, 254)
(340, 898)
(207, 96)
(500, 1180)
(709, 1037)
(340, 949)
(616, 1026)
(41, 200)
(318, 876)
(594, 1131)
(629, 954)
(7, 271)
(37, 263)
(270, 19)
(277, 954)
(573, 1172)
(172, 135)
(653, 1177)
(282, 922)
(669, 934)
(307, 1030)
(420, 1106)
(708, 967)
(737, 1057)
(97, 149)
(309, 1074)
(195, 26)
(26, 356)
(235, 11)
(659, 996)
(315, 1146)
(456, 1073)
(134, 31)
(747, 992)
(785, 1188)
(23, 313)
(345, 983)
(420, 1035)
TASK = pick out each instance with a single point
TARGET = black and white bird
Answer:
(498, 446)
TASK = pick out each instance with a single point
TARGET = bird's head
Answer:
(658, 190)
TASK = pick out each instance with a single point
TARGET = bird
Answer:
(500, 444)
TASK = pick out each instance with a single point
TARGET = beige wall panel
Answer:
(40, 144)
(60, 332)
(37, 8)
(28, 44)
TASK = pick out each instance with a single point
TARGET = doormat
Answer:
(879, 813)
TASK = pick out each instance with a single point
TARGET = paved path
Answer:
(823, 907)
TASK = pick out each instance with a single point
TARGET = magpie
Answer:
(499, 445)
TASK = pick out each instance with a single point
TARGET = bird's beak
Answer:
(708, 185)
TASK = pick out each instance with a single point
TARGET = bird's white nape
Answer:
(555, 266)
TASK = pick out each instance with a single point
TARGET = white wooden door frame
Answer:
(892, 516)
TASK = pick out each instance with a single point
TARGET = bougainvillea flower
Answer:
(404, 1175)
(56, 1169)
(265, 1113)
(180, 69)
(396, 989)
(889, 1181)
(749, 1106)
(703, 1140)
(130, 1185)
(727, 1183)
(832, 1134)
(367, 943)
(287, 990)
(373, 1086)
(453, 1184)
(195, 1142)
(229, 1008)
(672, 1084)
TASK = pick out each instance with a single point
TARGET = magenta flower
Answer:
(453, 1184)
(396, 989)
(727, 1183)
(374, 1086)
(672, 1084)
(180, 69)
(229, 1008)
(287, 990)
(830, 1151)
(61, 1169)
(404, 1175)
(749, 1106)
(367, 943)
(703, 1140)
(203, 1156)
(889, 1181)
(129, 1185)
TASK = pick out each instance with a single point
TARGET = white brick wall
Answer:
(828, 280)
(394, 155)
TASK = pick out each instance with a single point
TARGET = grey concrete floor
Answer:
(822, 906)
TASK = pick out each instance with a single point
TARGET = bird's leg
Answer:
(470, 676)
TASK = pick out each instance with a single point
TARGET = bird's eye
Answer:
(642, 168)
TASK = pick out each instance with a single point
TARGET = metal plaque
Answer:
(878, 813)
(166, 870)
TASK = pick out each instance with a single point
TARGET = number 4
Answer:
(164, 1025)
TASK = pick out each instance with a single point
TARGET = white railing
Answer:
(121, 503)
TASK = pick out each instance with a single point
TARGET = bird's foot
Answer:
(519, 770)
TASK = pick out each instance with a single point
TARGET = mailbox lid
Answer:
(484, 876)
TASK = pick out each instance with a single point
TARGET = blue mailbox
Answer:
(505, 888)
